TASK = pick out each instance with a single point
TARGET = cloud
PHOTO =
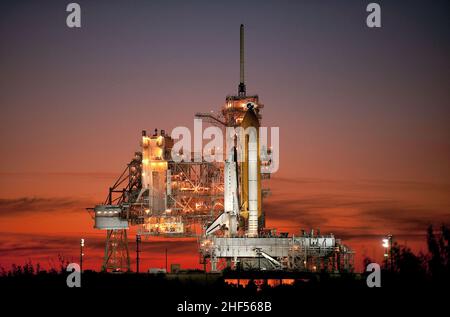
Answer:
(25, 205)
(297, 211)
(403, 217)
(19, 248)
(360, 183)
(89, 175)
(174, 246)
(19, 243)
(352, 216)
(349, 210)
(44, 248)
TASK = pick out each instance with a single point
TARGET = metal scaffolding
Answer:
(220, 203)
(306, 253)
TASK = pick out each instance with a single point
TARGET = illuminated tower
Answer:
(244, 111)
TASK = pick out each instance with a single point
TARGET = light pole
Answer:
(138, 250)
(166, 262)
(385, 254)
(387, 245)
(81, 254)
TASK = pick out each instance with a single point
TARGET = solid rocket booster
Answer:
(250, 175)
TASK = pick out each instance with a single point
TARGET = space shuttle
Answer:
(229, 219)
(242, 180)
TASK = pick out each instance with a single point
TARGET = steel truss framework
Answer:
(277, 253)
(117, 257)
(195, 198)
(166, 198)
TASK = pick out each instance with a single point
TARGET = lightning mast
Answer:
(241, 89)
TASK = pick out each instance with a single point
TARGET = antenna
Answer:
(241, 89)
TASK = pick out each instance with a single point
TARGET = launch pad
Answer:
(164, 192)
(307, 253)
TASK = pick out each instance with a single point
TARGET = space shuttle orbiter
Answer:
(229, 217)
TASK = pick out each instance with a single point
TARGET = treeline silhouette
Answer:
(403, 269)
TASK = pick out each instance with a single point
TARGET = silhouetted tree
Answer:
(407, 263)
(251, 287)
(366, 261)
(439, 257)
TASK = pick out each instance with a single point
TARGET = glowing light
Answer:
(159, 141)
(385, 243)
(287, 281)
